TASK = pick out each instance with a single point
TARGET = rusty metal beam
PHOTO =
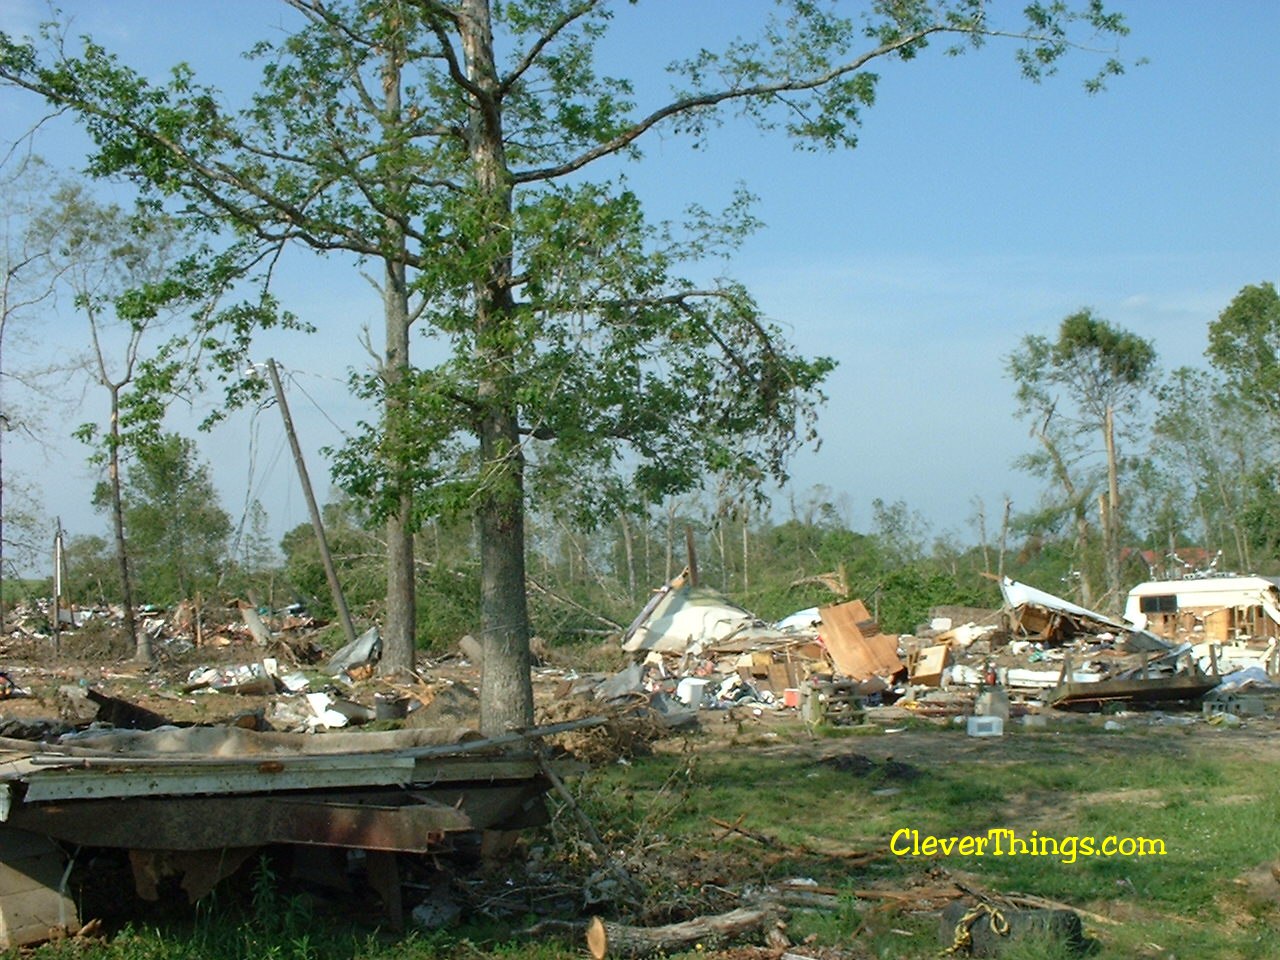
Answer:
(378, 822)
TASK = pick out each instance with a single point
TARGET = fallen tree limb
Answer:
(1043, 903)
(593, 837)
(607, 939)
(764, 839)
(560, 929)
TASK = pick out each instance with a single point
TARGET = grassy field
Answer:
(826, 810)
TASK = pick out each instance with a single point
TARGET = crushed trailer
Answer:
(195, 803)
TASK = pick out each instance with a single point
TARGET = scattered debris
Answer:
(363, 651)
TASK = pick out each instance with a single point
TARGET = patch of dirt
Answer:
(1145, 797)
(863, 766)
(1260, 887)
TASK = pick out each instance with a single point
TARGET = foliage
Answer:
(470, 151)
(903, 597)
(447, 587)
(1211, 445)
(178, 531)
(92, 575)
(1244, 344)
(1082, 393)
(1261, 513)
(252, 558)
(357, 558)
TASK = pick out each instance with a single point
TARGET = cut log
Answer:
(605, 939)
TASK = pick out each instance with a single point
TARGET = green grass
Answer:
(1215, 810)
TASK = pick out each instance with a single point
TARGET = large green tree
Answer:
(1209, 442)
(177, 530)
(1083, 385)
(469, 150)
(1244, 343)
(1244, 347)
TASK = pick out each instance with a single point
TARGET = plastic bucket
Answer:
(690, 691)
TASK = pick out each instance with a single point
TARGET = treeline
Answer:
(1145, 474)
(1182, 466)
(582, 583)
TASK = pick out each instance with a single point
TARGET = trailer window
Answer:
(1166, 603)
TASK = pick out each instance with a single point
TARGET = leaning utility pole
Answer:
(339, 601)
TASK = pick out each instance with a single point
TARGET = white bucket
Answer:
(690, 691)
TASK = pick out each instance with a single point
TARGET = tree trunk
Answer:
(671, 541)
(1080, 509)
(1111, 527)
(506, 692)
(1004, 537)
(629, 548)
(723, 550)
(982, 535)
(140, 641)
(399, 628)
(399, 641)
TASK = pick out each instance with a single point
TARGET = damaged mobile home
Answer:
(1220, 609)
(1045, 650)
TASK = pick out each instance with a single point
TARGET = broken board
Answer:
(857, 647)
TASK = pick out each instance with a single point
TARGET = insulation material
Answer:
(684, 619)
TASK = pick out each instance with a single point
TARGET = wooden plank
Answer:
(101, 777)
(30, 876)
(857, 647)
(779, 679)
(34, 916)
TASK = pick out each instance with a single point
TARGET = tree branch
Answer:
(689, 104)
(434, 13)
(530, 57)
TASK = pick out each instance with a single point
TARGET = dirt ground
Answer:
(447, 690)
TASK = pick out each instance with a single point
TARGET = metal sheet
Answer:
(379, 821)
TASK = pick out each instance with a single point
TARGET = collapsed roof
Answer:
(681, 618)
(1043, 616)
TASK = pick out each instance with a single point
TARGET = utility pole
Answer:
(331, 574)
(59, 585)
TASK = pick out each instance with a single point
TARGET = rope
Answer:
(962, 941)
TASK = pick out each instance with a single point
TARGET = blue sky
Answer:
(977, 208)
